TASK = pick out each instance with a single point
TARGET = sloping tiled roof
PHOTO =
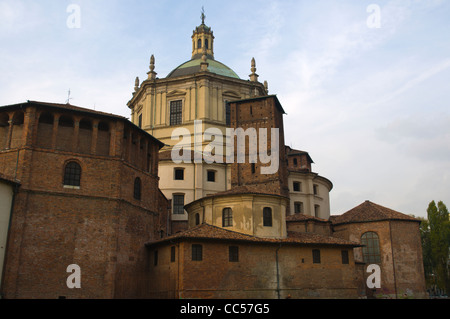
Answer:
(290, 152)
(238, 190)
(210, 232)
(303, 217)
(367, 212)
(244, 189)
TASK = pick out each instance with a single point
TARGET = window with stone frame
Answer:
(178, 174)
(267, 217)
(298, 207)
(227, 217)
(227, 113)
(211, 176)
(176, 112)
(178, 204)
(297, 186)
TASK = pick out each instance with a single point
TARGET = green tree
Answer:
(436, 243)
(426, 250)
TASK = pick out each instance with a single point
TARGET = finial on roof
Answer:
(266, 86)
(152, 62)
(253, 76)
(136, 84)
(152, 73)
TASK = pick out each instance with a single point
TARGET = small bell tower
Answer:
(203, 38)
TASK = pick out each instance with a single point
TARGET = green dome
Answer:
(193, 66)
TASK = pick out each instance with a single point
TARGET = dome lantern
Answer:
(202, 38)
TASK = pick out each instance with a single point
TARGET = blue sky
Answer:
(370, 105)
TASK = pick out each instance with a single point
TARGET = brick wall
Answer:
(401, 264)
(99, 226)
(259, 113)
(254, 275)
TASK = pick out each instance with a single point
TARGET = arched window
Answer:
(206, 43)
(72, 174)
(267, 216)
(137, 188)
(227, 217)
(371, 248)
(199, 44)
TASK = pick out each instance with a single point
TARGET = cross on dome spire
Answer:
(203, 15)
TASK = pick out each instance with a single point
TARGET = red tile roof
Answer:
(303, 217)
(245, 189)
(208, 232)
(367, 212)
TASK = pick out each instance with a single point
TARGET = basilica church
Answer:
(96, 190)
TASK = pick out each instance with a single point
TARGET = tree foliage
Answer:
(435, 233)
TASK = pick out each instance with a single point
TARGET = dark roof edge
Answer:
(272, 241)
(374, 221)
(79, 109)
(277, 102)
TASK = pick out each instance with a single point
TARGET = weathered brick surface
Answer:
(254, 275)
(99, 226)
(255, 114)
(402, 273)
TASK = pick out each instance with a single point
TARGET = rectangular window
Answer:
(227, 113)
(233, 254)
(298, 207)
(178, 174)
(316, 256)
(197, 252)
(155, 257)
(176, 112)
(316, 190)
(267, 217)
(253, 168)
(140, 121)
(178, 204)
(345, 259)
(211, 176)
(297, 186)
(316, 210)
(295, 162)
(227, 217)
(172, 254)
